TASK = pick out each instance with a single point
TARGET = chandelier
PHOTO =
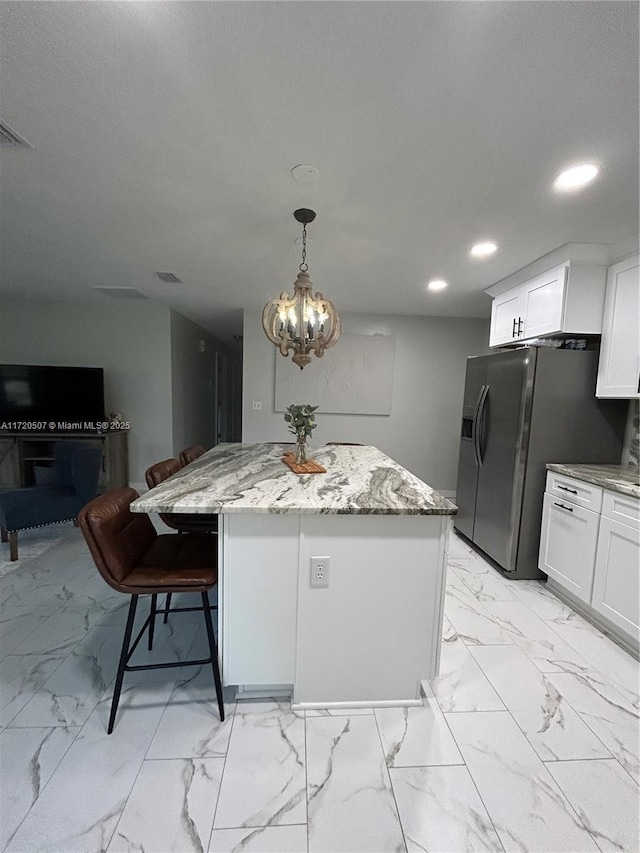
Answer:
(302, 322)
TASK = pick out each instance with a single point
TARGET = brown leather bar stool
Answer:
(190, 454)
(133, 559)
(182, 522)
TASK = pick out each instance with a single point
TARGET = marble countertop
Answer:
(252, 478)
(616, 478)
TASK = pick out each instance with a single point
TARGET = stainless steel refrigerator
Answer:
(523, 408)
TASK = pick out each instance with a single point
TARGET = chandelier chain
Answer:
(304, 266)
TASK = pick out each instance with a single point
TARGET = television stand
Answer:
(26, 458)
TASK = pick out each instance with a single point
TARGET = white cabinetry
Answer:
(543, 303)
(616, 585)
(566, 299)
(590, 546)
(506, 317)
(568, 549)
(619, 365)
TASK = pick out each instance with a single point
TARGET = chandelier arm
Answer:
(267, 324)
(334, 335)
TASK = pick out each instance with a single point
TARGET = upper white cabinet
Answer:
(566, 299)
(619, 365)
(506, 314)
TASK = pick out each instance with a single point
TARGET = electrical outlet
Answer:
(319, 572)
(256, 405)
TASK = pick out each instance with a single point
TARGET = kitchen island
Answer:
(372, 634)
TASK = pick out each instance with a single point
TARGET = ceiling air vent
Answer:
(169, 277)
(122, 292)
(10, 137)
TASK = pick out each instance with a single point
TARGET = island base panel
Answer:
(370, 637)
(259, 586)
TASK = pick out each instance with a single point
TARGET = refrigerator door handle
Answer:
(474, 428)
(483, 402)
(477, 431)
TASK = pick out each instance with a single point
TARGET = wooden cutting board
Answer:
(308, 467)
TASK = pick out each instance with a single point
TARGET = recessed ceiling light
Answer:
(576, 177)
(437, 284)
(483, 250)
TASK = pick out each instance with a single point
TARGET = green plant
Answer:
(300, 419)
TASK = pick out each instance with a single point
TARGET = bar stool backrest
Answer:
(117, 537)
(190, 454)
(159, 472)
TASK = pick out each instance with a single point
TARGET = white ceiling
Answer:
(164, 133)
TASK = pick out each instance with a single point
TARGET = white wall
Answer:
(193, 378)
(130, 340)
(422, 432)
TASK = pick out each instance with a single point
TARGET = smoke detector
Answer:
(305, 174)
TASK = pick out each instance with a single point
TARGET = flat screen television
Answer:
(48, 399)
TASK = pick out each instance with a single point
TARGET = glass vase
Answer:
(301, 450)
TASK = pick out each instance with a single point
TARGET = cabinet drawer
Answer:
(622, 508)
(568, 545)
(575, 491)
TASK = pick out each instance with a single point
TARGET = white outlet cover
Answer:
(319, 572)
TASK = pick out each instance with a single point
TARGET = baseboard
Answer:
(374, 703)
(601, 622)
(264, 691)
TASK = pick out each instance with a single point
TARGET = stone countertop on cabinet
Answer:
(252, 478)
(616, 478)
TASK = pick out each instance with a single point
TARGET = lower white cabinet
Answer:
(616, 583)
(568, 544)
(594, 555)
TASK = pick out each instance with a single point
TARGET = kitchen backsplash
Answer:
(631, 448)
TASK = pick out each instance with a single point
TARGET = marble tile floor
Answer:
(527, 740)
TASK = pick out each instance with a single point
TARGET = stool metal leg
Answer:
(4, 534)
(206, 607)
(123, 662)
(152, 618)
(166, 607)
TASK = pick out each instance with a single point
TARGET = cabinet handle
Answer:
(562, 506)
(565, 489)
(514, 334)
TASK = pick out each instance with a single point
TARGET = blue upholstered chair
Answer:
(74, 484)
